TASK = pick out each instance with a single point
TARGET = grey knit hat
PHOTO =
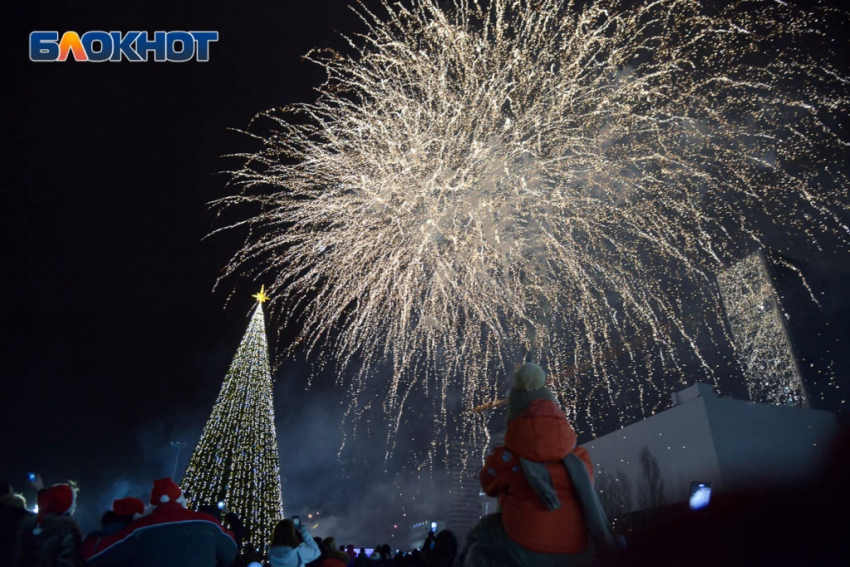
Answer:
(529, 385)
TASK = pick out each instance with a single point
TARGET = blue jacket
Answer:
(170, 535)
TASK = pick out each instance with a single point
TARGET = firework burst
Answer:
(480, 179)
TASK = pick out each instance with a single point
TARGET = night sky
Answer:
(114, 342)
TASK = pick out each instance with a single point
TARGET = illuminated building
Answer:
(762, 344)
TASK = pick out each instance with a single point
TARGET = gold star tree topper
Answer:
(261, 297)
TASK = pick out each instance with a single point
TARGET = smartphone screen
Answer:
(700, 495)
(297, 521)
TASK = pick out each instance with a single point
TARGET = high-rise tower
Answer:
(757, 324)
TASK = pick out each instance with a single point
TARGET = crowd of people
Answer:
(549, 515)
(166, 533)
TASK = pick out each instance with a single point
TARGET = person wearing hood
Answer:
(550, 513)
(51, 538)
(124, 511)
(444, 551)
(13, 509)
(287, 550)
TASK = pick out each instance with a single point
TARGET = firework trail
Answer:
(478, 179)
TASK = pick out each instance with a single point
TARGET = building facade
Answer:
(732, 444)
(463, 501)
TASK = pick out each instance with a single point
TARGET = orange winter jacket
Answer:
(539, 433)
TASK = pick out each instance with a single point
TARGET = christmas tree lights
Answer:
(236, 460)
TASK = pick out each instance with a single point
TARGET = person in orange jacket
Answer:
(542, 519)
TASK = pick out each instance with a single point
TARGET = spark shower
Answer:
(477, 180)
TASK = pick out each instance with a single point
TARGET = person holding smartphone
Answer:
(292, 545)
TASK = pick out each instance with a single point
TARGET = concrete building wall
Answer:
(679, 438)
(729, 443)
(768, 445)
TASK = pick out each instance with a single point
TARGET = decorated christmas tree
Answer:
(236, 460)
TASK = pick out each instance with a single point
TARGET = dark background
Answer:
(113, 340)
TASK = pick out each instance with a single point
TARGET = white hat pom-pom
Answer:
(164, 498)
(529, 377)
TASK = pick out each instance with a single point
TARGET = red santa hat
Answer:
(166, 490)
(128, 506)
(58, 499)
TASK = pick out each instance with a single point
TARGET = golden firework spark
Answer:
(489, 178)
